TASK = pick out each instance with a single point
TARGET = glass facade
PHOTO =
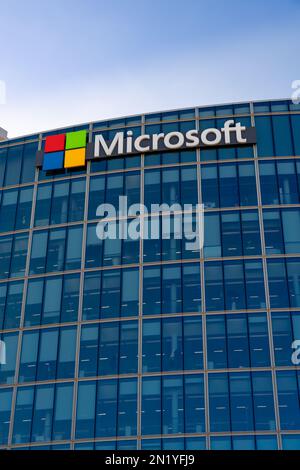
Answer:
(132, 344)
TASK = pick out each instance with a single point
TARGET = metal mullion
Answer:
(140, 316)
(40, 276)
(149, 437)
(184, 400)
(267, 293)
(181, 372)
(67, 178)
(14, 232)
(150, 264)
(80, 302)
(203, 300)
(127, 319)
(55, 226)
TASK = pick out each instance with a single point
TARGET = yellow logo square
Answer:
(74, 158)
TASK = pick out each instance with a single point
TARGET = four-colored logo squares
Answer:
(65, 151)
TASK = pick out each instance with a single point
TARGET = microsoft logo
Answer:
(65, 151)
(71, 150)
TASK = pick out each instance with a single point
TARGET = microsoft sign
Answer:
(72, 150)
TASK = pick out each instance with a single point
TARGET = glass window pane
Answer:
(60, 198)
(62, 415)
(38, 252)
(288, 397)
(47, 354)
(56, 250)
(127, 407)
(66, 353)
(5, 409)
(86, 403)
(73, 248)
(29, 159)
(263, 401)
(19, 255)
(219, 403)
(13, 165)
(151, 405)
(24, 209)
(76, 200)
(106, 409)
(23, 415)
(29, 355)
(8, 209)
(43, 205)
(43, 413)
(13, 305)
(172, 405)
(194, 404)
(7, 369)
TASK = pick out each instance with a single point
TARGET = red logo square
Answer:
(55, 143)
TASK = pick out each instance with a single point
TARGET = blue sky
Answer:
(71, 61)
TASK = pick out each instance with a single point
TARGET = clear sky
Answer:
(70, 61)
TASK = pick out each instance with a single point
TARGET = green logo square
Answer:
(76, 140)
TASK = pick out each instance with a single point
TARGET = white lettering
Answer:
(138, 143)
(192, 139)
(155, 140)
(118, 140)
(174, 135)
(239, 130)
(215, 141)
(129, 142)
(227, 130)
(295, 356)
(172, 140)
(106, 228)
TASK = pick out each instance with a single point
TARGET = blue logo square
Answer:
(53, 161)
